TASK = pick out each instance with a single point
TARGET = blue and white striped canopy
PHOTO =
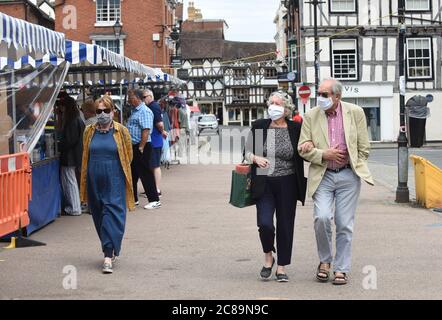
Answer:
(84, 54)
(19, 38)
(78, 53)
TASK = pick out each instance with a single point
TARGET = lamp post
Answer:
(117, 28)
(175, 35)
(402, 192)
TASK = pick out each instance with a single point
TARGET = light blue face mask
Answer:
(325, 103)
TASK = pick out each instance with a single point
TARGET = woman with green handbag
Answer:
(277, 181)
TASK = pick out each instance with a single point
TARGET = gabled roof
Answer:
(210, 44)
(201, 44)
(234, 50)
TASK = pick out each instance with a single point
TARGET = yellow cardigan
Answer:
(124, 146)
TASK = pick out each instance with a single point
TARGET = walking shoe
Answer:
(153, 205)
(107, 268)
(266, 273)
(84, 208)
(137, 203)
(281, 277)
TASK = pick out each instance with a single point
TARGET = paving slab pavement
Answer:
(197, 246)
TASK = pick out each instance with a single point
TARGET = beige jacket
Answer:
(315, 129)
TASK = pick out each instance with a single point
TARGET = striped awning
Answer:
(19, 38)
(84, 54)
(89, 55)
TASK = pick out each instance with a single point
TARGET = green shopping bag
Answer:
(240, 193)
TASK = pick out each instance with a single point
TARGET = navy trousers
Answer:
(279, 197)
(141, 170)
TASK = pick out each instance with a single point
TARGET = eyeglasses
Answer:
(146, 96)
(323, 94)
(99, 111)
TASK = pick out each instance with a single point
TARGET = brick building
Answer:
(34, 11)
(146, 26)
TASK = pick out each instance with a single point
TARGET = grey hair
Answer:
(148, 92)
(336, 85)
(287, 100)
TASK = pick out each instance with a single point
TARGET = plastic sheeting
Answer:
(27, 98)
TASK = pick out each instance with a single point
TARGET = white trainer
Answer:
(153, 205)
(107, 268)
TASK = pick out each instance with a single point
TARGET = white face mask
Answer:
(275, 112)
(325, 103)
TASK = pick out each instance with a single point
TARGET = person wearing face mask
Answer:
(277, 182)
(334, 138)
(106, 178)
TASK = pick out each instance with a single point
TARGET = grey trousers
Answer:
(70, 191)
(336, 197)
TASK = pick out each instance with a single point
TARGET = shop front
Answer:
(244, 116)
(377, 100)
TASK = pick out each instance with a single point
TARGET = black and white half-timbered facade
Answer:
(359, 45)
(202, 52)
(205, 84)
(219, 82)
(247, 89)
(248, 83)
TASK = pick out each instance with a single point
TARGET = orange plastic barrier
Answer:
(15, 192)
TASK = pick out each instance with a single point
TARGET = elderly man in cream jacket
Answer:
(334, 139)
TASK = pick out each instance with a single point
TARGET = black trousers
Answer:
(278, 196)
(141, 170)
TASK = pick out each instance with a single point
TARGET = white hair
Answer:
(336, 85)
(286, 99)
(148, 92)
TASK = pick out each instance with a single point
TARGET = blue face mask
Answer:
(325, 103)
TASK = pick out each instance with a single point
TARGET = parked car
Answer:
(207, 122)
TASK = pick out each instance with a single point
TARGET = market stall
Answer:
(27, 94)
(35, 64)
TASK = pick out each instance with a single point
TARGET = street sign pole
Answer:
(402, 192)
(315, 4)
(304, 93)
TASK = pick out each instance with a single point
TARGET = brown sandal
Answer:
(340, 279)
(320, 271)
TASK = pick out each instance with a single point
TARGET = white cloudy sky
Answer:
(248, 20)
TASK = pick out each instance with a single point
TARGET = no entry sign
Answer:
(304, 92)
